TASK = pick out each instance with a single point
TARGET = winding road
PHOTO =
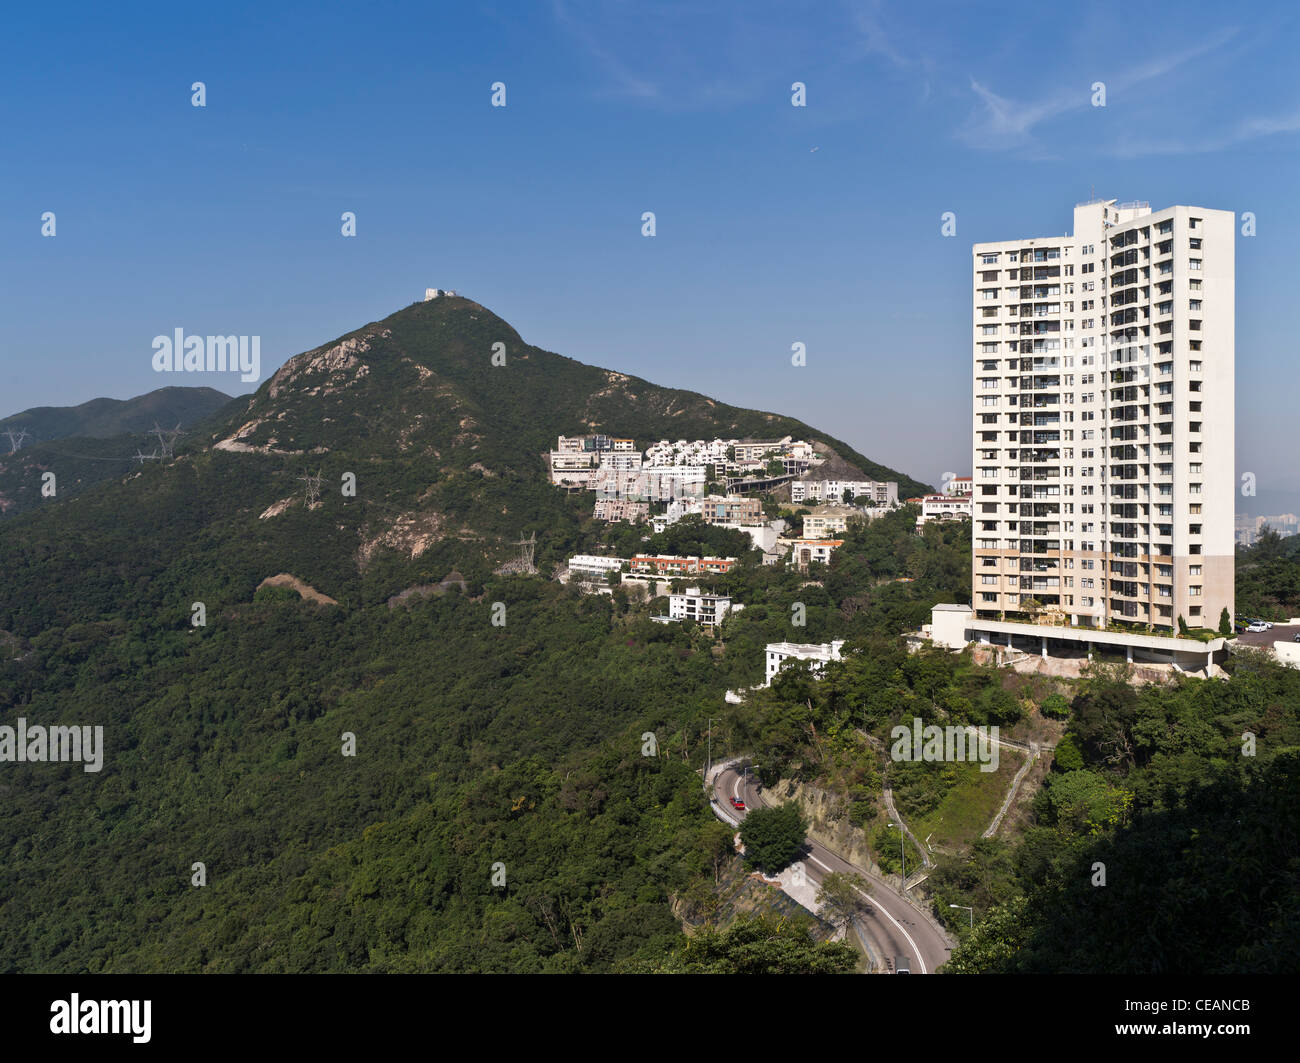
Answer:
(894, 925)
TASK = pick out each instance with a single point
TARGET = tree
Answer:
(1056, 706)
(773, 837)
(840, 897)
(1225, 622)
(752, 945)
(1182, 625)
(716, 843)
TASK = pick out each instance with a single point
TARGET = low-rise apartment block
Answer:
(672, 565)
(616, 510)
(619, 460)
(813, 551)
(729, 509)
(945, 507)
(862, 492)
(824, 521)
(706, 609)
(572, 467)
(594, 444)
(593, 566)
(819, 654)
(649, 483)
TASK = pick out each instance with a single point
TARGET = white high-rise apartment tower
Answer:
(1103, 474)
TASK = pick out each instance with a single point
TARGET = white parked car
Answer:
(1257, 626)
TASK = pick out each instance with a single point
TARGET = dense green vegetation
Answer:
(1163, 841)
(773, 837)
(92, 443)
(525, 791)
(501, 811)
(752, 945)
(104, 418)
(1268, 577)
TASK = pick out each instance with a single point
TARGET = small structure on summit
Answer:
(434, 293)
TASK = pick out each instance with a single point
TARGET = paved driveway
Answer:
(1277, 633)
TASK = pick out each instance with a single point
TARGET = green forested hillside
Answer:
(524, 794)
(104, 418)
(481, 750)
(92, 443)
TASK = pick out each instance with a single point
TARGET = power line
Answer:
(313, 487)
(16, 438)
(167, 438)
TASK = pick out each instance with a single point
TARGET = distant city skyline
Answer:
(774, 224)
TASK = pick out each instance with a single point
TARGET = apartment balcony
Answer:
(1040, 546)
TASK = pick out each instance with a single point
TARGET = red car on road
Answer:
(737, 804)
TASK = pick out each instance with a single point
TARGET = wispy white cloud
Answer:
(1243, 132)
(624, 81)
(876, 40)
(999, 123)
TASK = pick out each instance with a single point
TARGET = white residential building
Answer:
(707, 609)
(572, 467)
(1103, 371)
(592, 566)
(780, 652)
(823, 521)
(879, 493)
(944, 507)
(817, 551)
(619, 460)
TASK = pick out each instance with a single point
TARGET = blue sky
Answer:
(775, 224)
